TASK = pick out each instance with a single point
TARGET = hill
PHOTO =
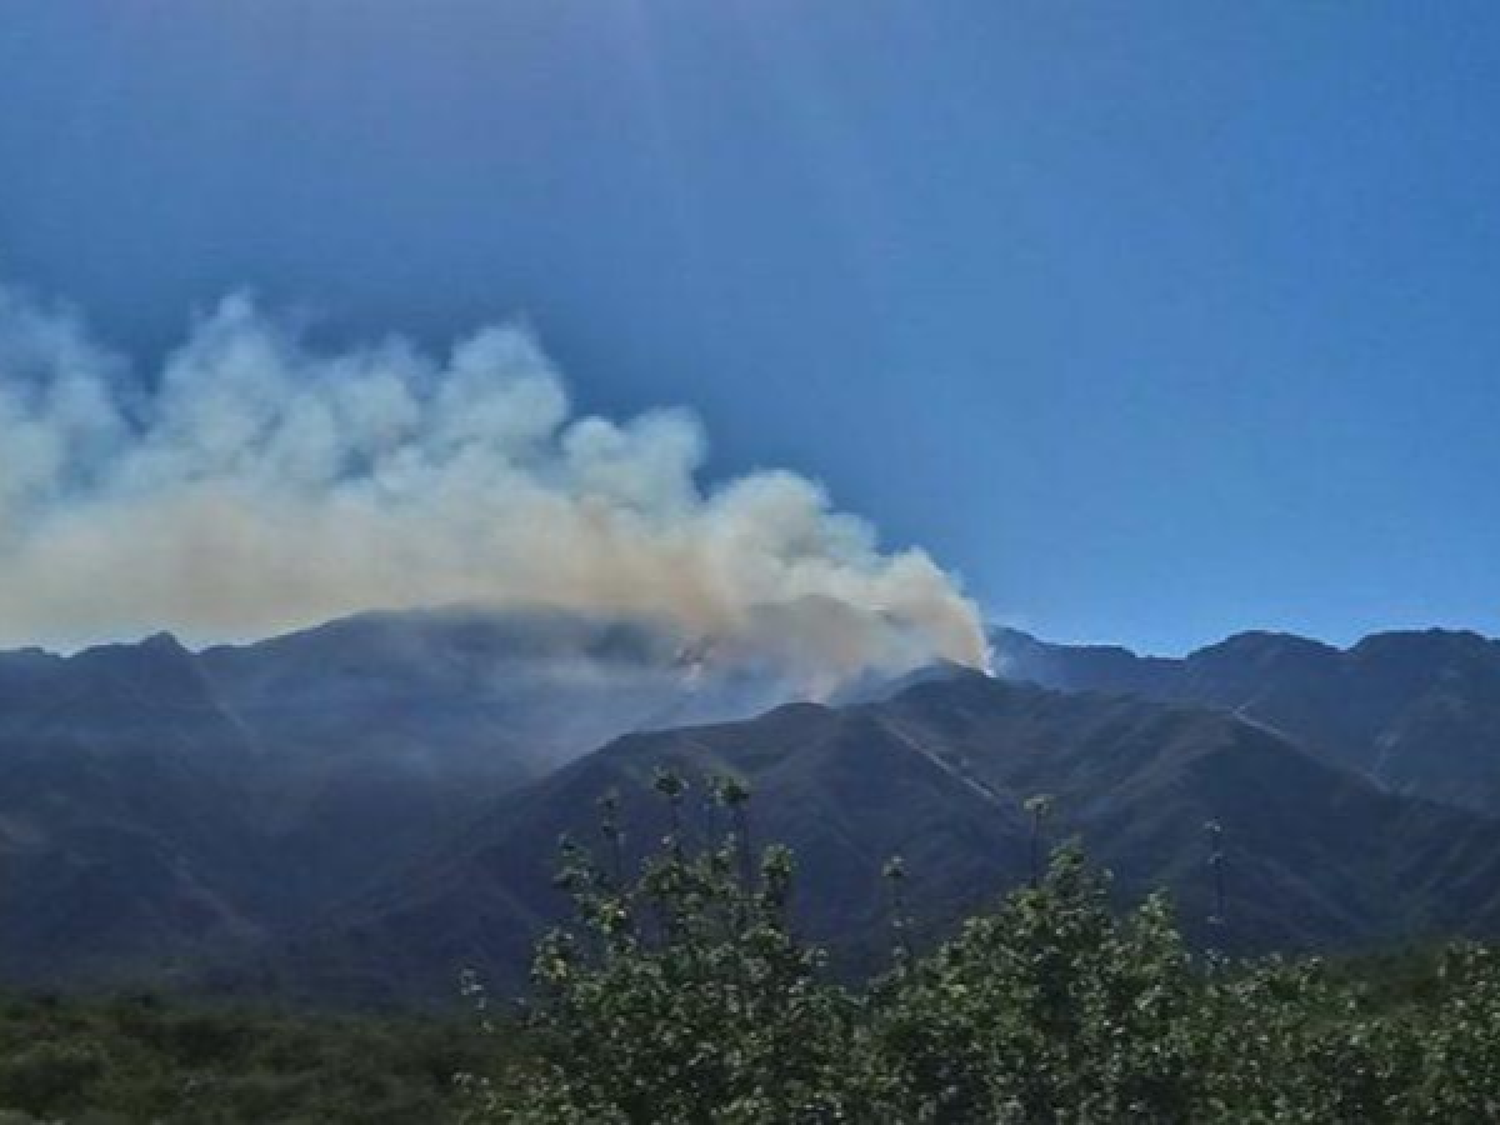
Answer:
(158, 805)
(938, 773)
(1416, 712)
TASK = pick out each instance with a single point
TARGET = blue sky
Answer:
(1156, 321)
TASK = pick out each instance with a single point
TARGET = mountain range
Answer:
(159, 805)
(1417, 713)
(356, 812)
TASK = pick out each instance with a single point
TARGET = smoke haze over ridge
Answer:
(256, 484)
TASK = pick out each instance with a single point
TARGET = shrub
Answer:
(1044, 1010)
(681, 994)
(48, 1076)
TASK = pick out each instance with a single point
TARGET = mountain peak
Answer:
(163, 642)
(1426, 641)
(1263, 639)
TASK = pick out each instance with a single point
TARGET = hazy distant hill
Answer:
(359, 809)
(1417, 712)
(938, 774)
(157, 804)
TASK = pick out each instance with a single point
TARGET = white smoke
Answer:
(257, 484)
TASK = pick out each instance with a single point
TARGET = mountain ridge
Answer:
(939, 774)
(357, 809)
(158, 804)
(1417, 711)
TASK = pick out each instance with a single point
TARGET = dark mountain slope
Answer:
(938, 774)
(157, 804)
(123, 836)
(1417, 712)
(391, 776)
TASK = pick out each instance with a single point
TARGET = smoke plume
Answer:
(256, 483)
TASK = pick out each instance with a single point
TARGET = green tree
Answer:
(1046, 1009)
(682, 995)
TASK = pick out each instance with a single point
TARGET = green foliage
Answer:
(681, 994)
(1044, 1010)
(143, 1060)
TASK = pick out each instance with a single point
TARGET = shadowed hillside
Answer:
(1418, 713)
(159, 805)
(938, 774)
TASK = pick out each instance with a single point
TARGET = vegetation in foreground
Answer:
(681, 994)
(142, 1059)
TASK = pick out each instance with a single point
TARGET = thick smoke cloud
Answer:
(256, 484)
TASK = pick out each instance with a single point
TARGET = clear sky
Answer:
(1156, 321)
